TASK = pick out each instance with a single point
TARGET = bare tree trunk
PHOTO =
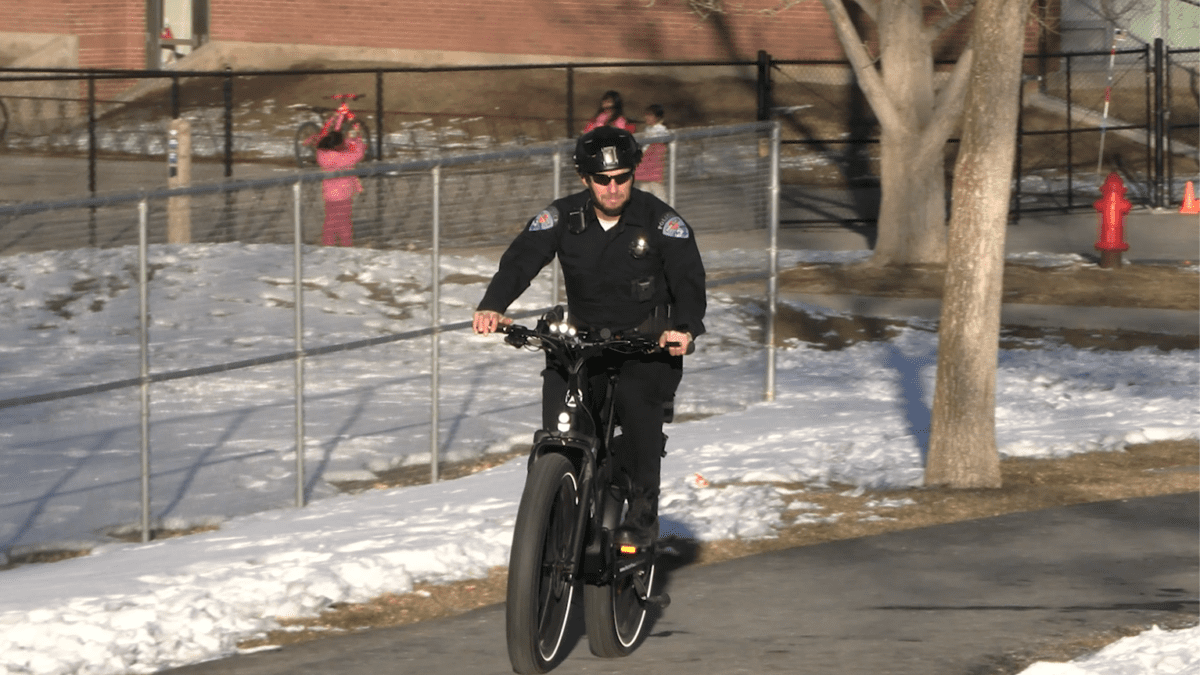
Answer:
(912, 210)
(962, 442)
(916, 118)
(912, 205)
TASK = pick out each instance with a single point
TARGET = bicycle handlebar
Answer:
(551, 330)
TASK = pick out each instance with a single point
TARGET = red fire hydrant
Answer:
(1112, 207)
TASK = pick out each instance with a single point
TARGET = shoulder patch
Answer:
(673, 226)
(544, 220)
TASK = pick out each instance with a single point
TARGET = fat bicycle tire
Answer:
(541, 583)
(306, 155)
(615, 612)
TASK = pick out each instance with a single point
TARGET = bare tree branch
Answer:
(864, 67)
(952, 17)
(870, 7)
(947, 109)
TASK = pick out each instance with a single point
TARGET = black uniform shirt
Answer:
(614, 279)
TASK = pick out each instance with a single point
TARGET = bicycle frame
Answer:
(341, 115)
(588, 446)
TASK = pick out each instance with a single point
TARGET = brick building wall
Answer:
(564, 29)
(112, 32)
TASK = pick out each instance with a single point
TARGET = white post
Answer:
(435, 319)
(773, 279)
(144, 370)
(672, 152)
(179, 174)
(557, 193)
(298, 314)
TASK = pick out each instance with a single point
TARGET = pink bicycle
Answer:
(343, 119)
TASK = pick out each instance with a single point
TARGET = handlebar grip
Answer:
(690, 348)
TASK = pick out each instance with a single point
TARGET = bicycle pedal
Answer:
(659, 600)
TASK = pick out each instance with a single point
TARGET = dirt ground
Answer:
(1145, 470)
(1157, 286)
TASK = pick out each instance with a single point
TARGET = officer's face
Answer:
(610, 199)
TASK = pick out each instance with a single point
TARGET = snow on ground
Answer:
(223, 445)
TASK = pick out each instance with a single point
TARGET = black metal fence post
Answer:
(1150, 198)
(1170, 195)
(91, 123)
(1070, 142)
(378, 115)
(1016, 193)
(92, 134)
(570, 102)
(1160, 125)
(228, 88)
(764, 86)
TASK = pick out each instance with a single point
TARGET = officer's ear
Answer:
(583, 179)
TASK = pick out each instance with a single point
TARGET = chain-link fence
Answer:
(170, 349)
(248, 124)
(1084, 115)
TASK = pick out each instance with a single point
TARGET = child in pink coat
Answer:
(335, 153)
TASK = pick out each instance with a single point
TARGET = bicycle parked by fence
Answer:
(343, 119)
(572, 504)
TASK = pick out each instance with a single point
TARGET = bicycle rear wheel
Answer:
(306, 155)
(541, 581)
(615, 613)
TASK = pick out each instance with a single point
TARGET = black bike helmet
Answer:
(606, 148)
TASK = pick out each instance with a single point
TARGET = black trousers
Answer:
(647, 384)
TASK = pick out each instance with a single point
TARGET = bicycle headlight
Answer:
(563, 328)
(564, 422)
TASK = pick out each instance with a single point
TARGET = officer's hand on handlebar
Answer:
(486, 321)
(679, 342)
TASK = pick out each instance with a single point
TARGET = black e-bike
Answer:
(573, 502)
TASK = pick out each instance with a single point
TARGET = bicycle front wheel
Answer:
(541, 580)
(306, 155)
(615, 613)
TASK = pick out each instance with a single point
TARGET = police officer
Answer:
(631, 265)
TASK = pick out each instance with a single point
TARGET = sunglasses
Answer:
(621, 178)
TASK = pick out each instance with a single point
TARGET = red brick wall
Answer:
(111, 32)
(567, 29)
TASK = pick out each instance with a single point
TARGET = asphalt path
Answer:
(958, 599)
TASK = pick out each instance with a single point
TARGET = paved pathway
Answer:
(947, 600)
